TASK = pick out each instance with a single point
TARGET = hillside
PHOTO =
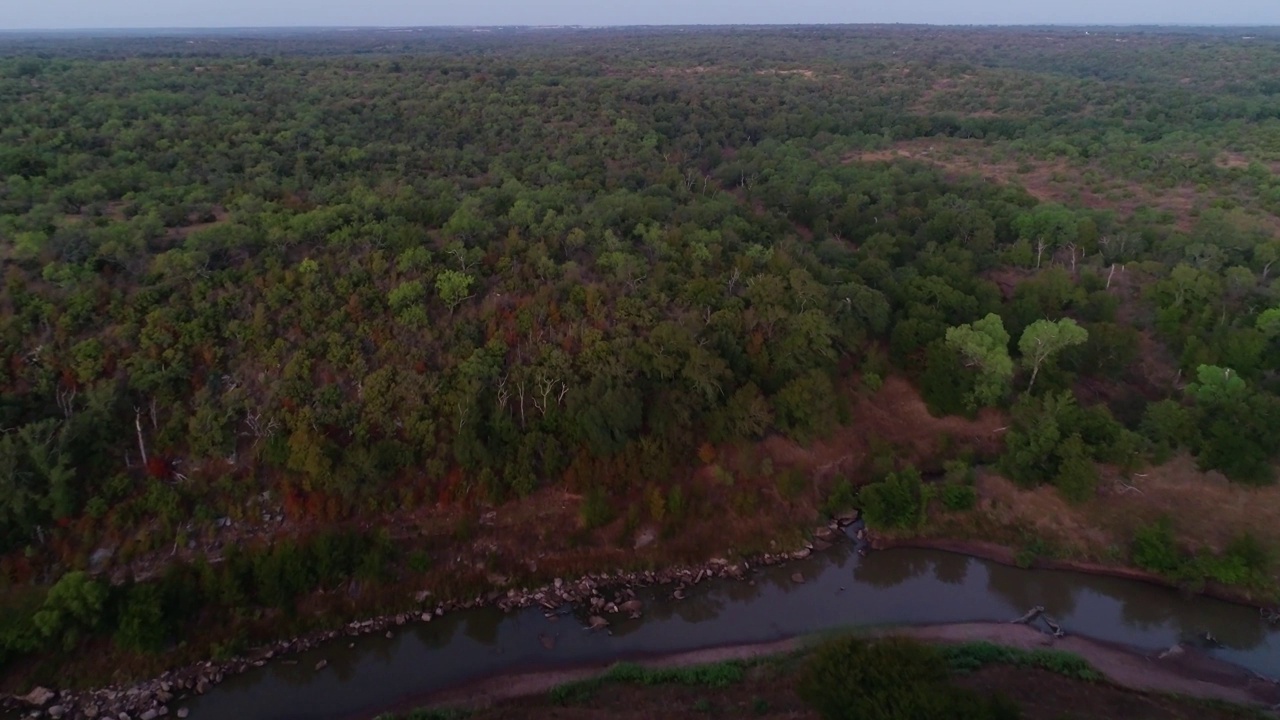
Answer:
(297, 325)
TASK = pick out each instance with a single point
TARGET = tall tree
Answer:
(1043, 339)
(985, 346)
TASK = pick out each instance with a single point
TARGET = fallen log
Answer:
(1031, 615)
(1055, 627)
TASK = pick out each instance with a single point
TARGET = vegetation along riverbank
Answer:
(303, 329)
(1036, 676)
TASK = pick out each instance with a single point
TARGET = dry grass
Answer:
(1047, 180)
(1207, 510)
(895, 416)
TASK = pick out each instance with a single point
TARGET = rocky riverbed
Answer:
(594, 597)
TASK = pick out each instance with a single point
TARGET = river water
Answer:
(841, 589)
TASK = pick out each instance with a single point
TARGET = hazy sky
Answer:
(27, 14)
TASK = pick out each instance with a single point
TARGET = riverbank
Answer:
(595, 596)
(598, 600)
(1175, 672)
(1006, 555)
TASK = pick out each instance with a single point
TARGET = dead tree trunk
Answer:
(137, 424)
(1030, 617)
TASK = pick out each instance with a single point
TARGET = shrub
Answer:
(890, 679)
(595, 511)
(842, 497)
(1155, 549)
(894, 502)
(1246, 561)
(958, 498)
(675, 503)
(792, 484)
(142, 624)
(968, 657)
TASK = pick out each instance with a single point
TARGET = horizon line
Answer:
(591, 26)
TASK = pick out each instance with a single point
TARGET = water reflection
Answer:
(840, 589)
(890, 574)
(951, 569)
(483, 627)
(1055, 591)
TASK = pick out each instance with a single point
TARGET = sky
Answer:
(77, 14)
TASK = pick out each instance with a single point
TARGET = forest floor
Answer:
(1136, 685)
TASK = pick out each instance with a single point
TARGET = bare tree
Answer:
(137, 424)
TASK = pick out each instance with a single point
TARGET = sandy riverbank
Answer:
(1185, 672)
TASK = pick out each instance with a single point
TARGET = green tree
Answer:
(1047, 226)
(72, 609)
(1077, 477)
(1043, 339)
(985, 345)
(453, 287)
(142, 624)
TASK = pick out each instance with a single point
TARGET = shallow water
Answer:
(841, 590)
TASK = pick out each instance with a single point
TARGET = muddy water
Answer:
(841, 590)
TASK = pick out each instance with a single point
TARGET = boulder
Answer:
(645, 538)
(797, 578)
(151, 714)
(57, 711)
(183, 713)
(322, 664)
(596, 622)
(632, 606)
(39, 697)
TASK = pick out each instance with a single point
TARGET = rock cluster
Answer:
(596, 597)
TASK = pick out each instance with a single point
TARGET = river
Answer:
(841, 589)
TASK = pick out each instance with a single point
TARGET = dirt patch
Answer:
(505, 687)
(896, 417)
(1055, 180)
(1229, 160)
(802, 73)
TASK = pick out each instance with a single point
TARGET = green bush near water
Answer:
(1245, 562)
(890, 679)
(895, 502)
(714, 675)
(969, 657)
(428, 714)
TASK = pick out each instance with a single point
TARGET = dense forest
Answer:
(281, 289)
